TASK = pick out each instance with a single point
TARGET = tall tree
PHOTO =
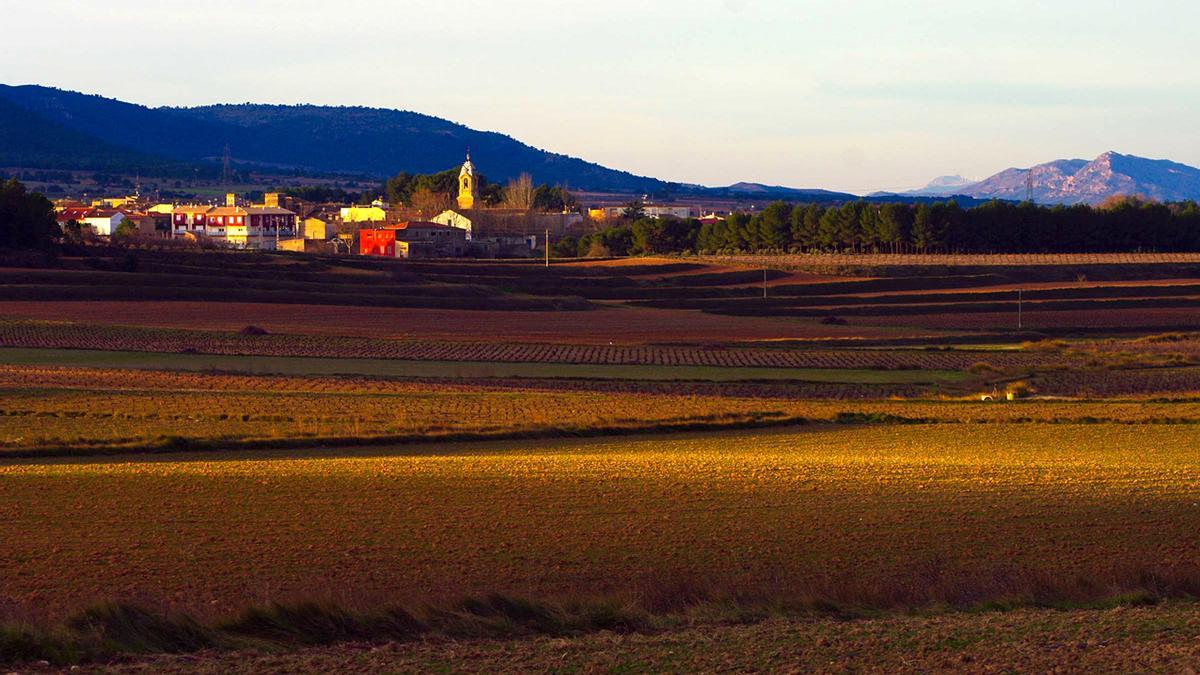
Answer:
(774, 226)
(27, 219)
(634, 210)
(829, 230)
(519, 193)
(924, 236)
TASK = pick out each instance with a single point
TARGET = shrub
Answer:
(126, 628)
(307, 623)
(1021, 390)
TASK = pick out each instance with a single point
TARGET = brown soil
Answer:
(609, 324)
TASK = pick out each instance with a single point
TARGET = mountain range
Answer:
(1079, 181)
(48, 128)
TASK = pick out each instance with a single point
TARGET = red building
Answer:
(380, 242)
(413, 239)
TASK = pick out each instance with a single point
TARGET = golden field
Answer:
(879, 516)
(80, 410)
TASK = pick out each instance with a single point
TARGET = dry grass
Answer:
(1126, 640)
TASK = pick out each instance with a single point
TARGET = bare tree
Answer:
(429, 203)
(518, 194)
(568, 199)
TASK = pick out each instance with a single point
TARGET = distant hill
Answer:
(51, 128)
(1079, 181)
(774, 192)
(31, 140)
(942, 186)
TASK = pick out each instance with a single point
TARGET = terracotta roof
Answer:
(74, 213)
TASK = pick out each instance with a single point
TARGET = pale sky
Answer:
(846, 95)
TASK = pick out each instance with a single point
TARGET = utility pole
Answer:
(547, 248)
(1020, 310)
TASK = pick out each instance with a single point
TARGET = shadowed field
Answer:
(1123, 640)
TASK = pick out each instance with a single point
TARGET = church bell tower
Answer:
(468, 187)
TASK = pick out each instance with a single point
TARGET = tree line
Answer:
(433, 193)
(1120, 224)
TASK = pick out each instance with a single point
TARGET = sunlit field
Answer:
(864, 517)
(637, 461)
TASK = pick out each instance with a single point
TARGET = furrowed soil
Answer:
(75, 411)
(874, 517)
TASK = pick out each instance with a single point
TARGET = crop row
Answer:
(118, 338)
(1133, 383)
(51, 408)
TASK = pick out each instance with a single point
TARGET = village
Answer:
(279, 221)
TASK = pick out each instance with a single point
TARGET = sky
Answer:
(845, 95)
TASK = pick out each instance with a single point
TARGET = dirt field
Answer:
(869, 517)
(616, 325)
(1149, 319)
(852, 503)
(79, 411)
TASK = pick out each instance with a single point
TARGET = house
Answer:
(649, 211)
(227, 222)
(72, 213)
(413, 239)
(484, 223)
(453, 218)
(103, 221)
(191, 220)
(147, 224)
(374, 213)
(377, 242)
(417, 239)
(257, 226)
(318, 227)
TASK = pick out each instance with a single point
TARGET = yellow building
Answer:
(468, 186)
(318, 228)
(364, 214)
